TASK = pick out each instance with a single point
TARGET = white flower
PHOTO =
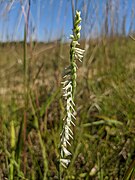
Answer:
(64, 162)
(67, 133)
(69, 86)
(67, 127)
(78, 50)
(79, 53)
(66, 152)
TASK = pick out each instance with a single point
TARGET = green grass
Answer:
(105, 101)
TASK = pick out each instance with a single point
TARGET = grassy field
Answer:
(31, 123)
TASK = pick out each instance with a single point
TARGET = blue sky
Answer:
(47, 20)
(52, 19)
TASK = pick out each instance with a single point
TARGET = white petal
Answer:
(67, 134)
(66, 126)
(72, 123)
(64, 162)
(80, 50)
(66, 152)
(65, 142)
(70, 100)
(67, 94)
(73, 116)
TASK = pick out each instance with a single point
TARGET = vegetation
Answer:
(32, 109)
(104, 134)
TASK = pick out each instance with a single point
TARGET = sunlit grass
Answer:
(104, 135)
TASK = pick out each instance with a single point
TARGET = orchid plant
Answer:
(69, 86)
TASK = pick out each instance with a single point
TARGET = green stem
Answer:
(25, 94)
(40, 139)
(12, 159)
(73, 67)
(44, 155)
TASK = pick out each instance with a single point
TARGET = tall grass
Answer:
(105, 122)
(32, 109)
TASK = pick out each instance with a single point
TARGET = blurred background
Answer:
(52, 20)
(34, 50)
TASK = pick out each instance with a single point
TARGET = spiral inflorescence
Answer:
(69, 86)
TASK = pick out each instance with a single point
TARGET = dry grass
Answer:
(104, 136)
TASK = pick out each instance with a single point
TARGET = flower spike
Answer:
(69, 86)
